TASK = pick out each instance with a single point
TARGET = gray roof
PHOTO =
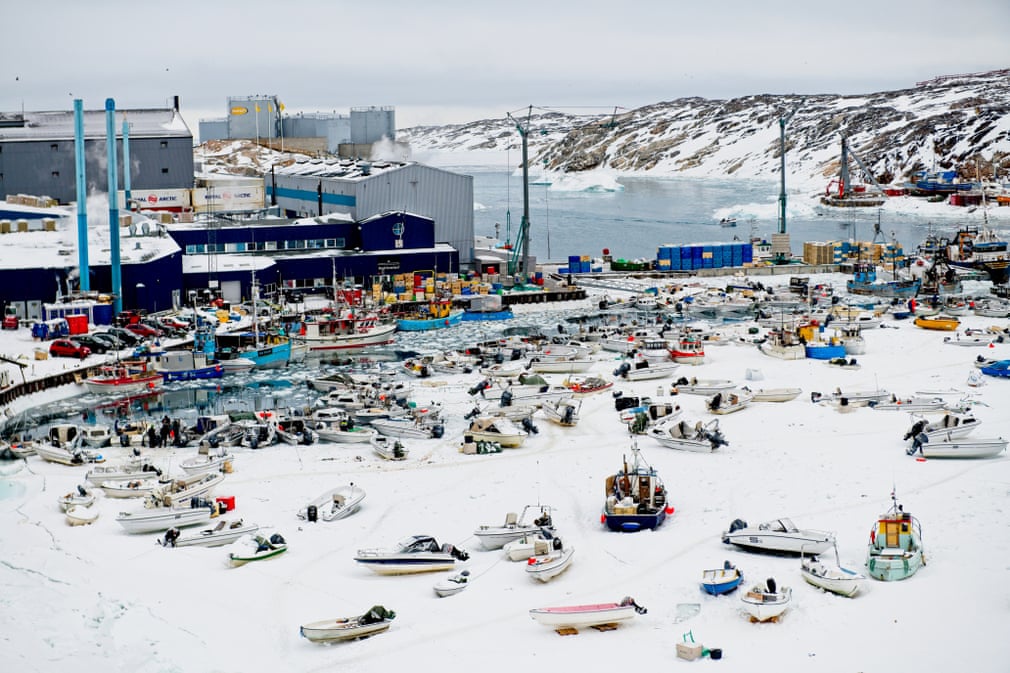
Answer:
(59, 124)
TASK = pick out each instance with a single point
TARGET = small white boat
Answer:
(965, 447)
(342, 432)
(388, 448)
(643, 369)
(219, 459)
(82, 496)
(258, 548)
(521, 549)
(415, 554)
(81, 515)
(728, 401)
(515, 526)
(180, 491)
(952, 425)
(450, 586)
(766, 602)
(495, 429)
(336, 503)
(129, 470)
(564, 412)
(916, 403)
(777, 536)
(551, 557)
(133, 488)
(831, 577)
(695, 386)
(774, 394)
(221, 534)
(162, 518)
(684, 436)
(374, 621)
(407, 428)
(574, 616)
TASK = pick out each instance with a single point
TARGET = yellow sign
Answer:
(239, 110)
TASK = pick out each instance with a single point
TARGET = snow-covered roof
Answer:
(59, 124)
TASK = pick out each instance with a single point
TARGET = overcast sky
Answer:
(451, 61)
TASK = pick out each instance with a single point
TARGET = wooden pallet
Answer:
(605, 627)
(755, 620)
(567, 631)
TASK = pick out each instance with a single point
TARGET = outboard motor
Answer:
(622, 370)
(276, 538)
(568, 415)
(771, 585)
(738, 524)
(312, 513)
(474, 413)
(506, 399)
(437, 431)
(124, 439)
(529, 427)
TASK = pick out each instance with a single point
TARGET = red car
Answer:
(142, 330)
(68, 348)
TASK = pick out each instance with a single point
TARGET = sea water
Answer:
(632, 216)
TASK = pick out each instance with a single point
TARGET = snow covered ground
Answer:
(95, 598)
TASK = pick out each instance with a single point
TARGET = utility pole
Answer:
(524, 226)
(781, 255)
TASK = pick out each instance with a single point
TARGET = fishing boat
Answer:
(584, 386)
(127, 470)
(261, 549)
(831, 577)
(946, 323)
(952, 425)
(181, 490)
(914, 403)
(219, 459)
(376, 620)
(515, 526)
(688, 350)
(223, 533)
(438, 314)
(864, 282)
(351, 327)
(894, 551)
(414, 554)
(766, 602)
(191, 365)
(779, 536)
(718, 581)
(336, 503)
(266, 350)
(550, 558)
(594, 614)
(636, 498)
(342, 432)
(127, 376)
(407, 428)
(783, 344)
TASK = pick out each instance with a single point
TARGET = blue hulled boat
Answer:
(438, 314)
(636, 497)
(722, 580)
(864, 281)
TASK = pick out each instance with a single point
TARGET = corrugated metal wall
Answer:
(46, 167)
(445, 197)
(370, 124)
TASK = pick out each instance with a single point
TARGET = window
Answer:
(163, 144)
(55, 147)
(164, 171)
(56, 174)
(270, 245)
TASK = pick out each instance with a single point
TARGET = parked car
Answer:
(176, 323)
(11, 320)
(94, 344)
(114, 342)
(144, 330)
(128, 338)
(68, 348)
(127, 317)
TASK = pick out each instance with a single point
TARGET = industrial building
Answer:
(362, 190)
(262, 118)
(37, 151)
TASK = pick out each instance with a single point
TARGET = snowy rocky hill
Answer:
(950, 123)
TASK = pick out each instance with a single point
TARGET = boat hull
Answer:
(331, 630)
(575, 616)
(720, 581)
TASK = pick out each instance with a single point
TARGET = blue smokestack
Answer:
(110, 143)
(82, 197)
(126, 163)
